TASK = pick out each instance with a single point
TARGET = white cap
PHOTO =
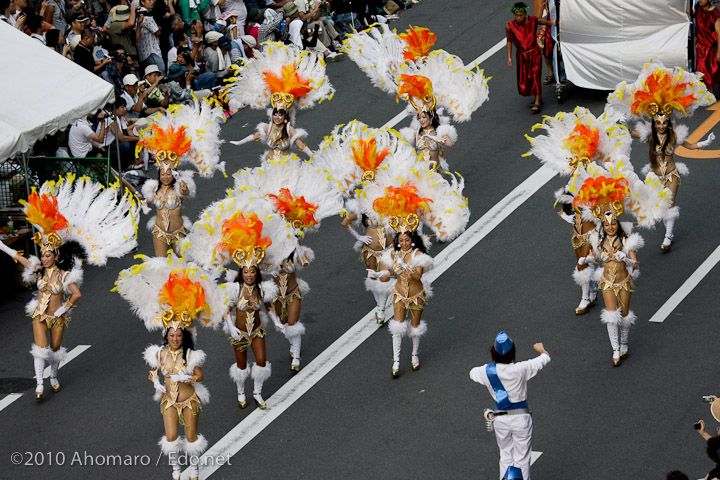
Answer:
(212, 36)
(152, 68)
(249, 40)
(130, 79)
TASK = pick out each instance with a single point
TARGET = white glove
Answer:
(604, 256)
(145, 209)
(568, 218)
(8, 250)
(276, 320)
(245, 140)
(401, 267)
(586, 260)
(366, 239)
(232, 329)
(62, 309)
(377, 275)
(620, 256)
(306, 150)
(707, 141)
(182, 378)
(159, 387)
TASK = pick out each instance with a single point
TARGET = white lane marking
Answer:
(72, 354)
(687, 287)
(8, 399)
(314, 371)
(496, 48)
(534, 456)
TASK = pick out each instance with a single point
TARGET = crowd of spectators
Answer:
(161, 52)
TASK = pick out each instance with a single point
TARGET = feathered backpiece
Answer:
(353, 153)
(401, 206)
(188, 134)
(660, 92)
(385, 58)
(171, 292)
(419, 41)
(576, 139)
(282, 76)
(102, 220)
(241, 230)
(294, 189)
(605, 192)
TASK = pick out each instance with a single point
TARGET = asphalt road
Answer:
(591, 420)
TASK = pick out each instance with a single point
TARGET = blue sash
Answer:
(502, 402)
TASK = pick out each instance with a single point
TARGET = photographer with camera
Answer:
(147, 37)
(507, 383)
(180, 82)
(83, 54)
(82, 139)
(156, 91)
(122, 28)
(113, 72)
(313, 17)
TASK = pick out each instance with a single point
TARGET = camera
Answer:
(707, 399)
(697, 426)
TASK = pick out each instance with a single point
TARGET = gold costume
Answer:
(172, 363)
(401, 294)
(250, 306)
(167, 200)
(47, 287)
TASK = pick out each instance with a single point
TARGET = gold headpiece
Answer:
(167, 160)
(408, 223)
(168, 145)
(282, 101)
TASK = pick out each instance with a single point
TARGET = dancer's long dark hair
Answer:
(654, 140)
(284, 129)
(187, 341)
(416, 240)
(258, 278)
(434, 118)
(160, 184)
(621, 236)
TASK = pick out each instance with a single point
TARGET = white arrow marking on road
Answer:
(72, 354)
(314, 371)
(534, 456)
(686, 287)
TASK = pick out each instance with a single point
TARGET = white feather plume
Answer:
(102, 220)
(141, 285)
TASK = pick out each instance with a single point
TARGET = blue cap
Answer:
(513, 473)
(503, 343)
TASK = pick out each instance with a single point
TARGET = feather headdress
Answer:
(102, 220)
(171, 292)
(418, 41)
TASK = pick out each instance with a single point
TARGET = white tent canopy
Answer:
(42, 92)
(605, 43)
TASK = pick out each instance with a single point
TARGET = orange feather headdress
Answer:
(42, 211)
(583, 144)
(401, 205)
(366, 156)
(605, 196)
(662, 93)
(168, 145)
(411, 87)
(419, 42)
(287, 87)
(242, 239)
(183, 300)
(297, 211)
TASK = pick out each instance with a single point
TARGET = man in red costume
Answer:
(522, 32)
(707, 33)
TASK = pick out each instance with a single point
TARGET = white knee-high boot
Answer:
(669, 222)
(172, 450)
(612, 319)
(259, 375)
(397, 330)
(294, 335)
(583, 278)
(194, 450)
(381, 291)
(627, 321)
(55, 359)
(40, 356)
(415, 333)
(239, 376)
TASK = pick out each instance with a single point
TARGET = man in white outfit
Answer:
(507, 383)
